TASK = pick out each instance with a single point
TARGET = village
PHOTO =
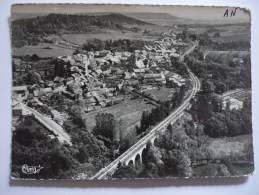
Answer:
(128, 96)
(97, 80)
(102, 79)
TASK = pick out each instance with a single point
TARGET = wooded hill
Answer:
(32, 30)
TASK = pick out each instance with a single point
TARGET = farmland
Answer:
(227, 147)
(107, 35)
(42, 50)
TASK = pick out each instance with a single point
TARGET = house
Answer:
(50, 84)
(69, 95)
(113, 101)
(238, 60)
(98, 71)
(88, 109)
(36, 92)
(58, 79)
(17, 110)
(175, 79)
(153, 78)
(46, 90)
(140, 64)
(127, 75)
(58, 117)
(132, 82)
(140, 70)
(232, 104)
(99, 98)
(20, 92)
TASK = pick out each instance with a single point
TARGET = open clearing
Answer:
(237, 146)
(128, 111)
(42, 50)
(162, 94)
(233, 33)
(80, 38)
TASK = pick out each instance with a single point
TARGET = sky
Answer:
(192, 12)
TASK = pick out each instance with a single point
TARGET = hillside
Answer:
(33, 30)
(162, 19)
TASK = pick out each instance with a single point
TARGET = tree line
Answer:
(113, 45)
(159, 113)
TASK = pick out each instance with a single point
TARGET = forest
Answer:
(31, 31)
(31, 145)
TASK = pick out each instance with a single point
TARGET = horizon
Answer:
(194, 13)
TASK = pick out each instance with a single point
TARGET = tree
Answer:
(77, 115)
(105, 125)
(177, 163)
(215, 126)
(144, 122)
(125, 172)
(179, 67)
(23, 136)
(216, 34)
(234, 126)
(169, 128)
(150, 171)
(35, 57)
(59, 69)
(217, 105)
(206, 88)
(220, 88)
(125, 144)
(203, 107)
(82, 155)
(57, 160)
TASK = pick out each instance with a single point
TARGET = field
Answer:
(128, 111)
(228, 53)
(233, 33)
(113, 35)
(237, 149)
(225, 57)
(211, 169)
(42, 50)
(162, 94)
(55, 50)
(238, 146)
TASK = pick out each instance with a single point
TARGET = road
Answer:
(233, 92)
(173, 117)
(49, 124)
(188, 51)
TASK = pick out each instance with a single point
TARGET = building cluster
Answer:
(231, 104)
(97, 78)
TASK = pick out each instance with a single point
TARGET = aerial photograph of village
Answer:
(115, 91)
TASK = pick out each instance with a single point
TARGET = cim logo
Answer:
(30, 170)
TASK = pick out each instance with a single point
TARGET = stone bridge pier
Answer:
(137, 159)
